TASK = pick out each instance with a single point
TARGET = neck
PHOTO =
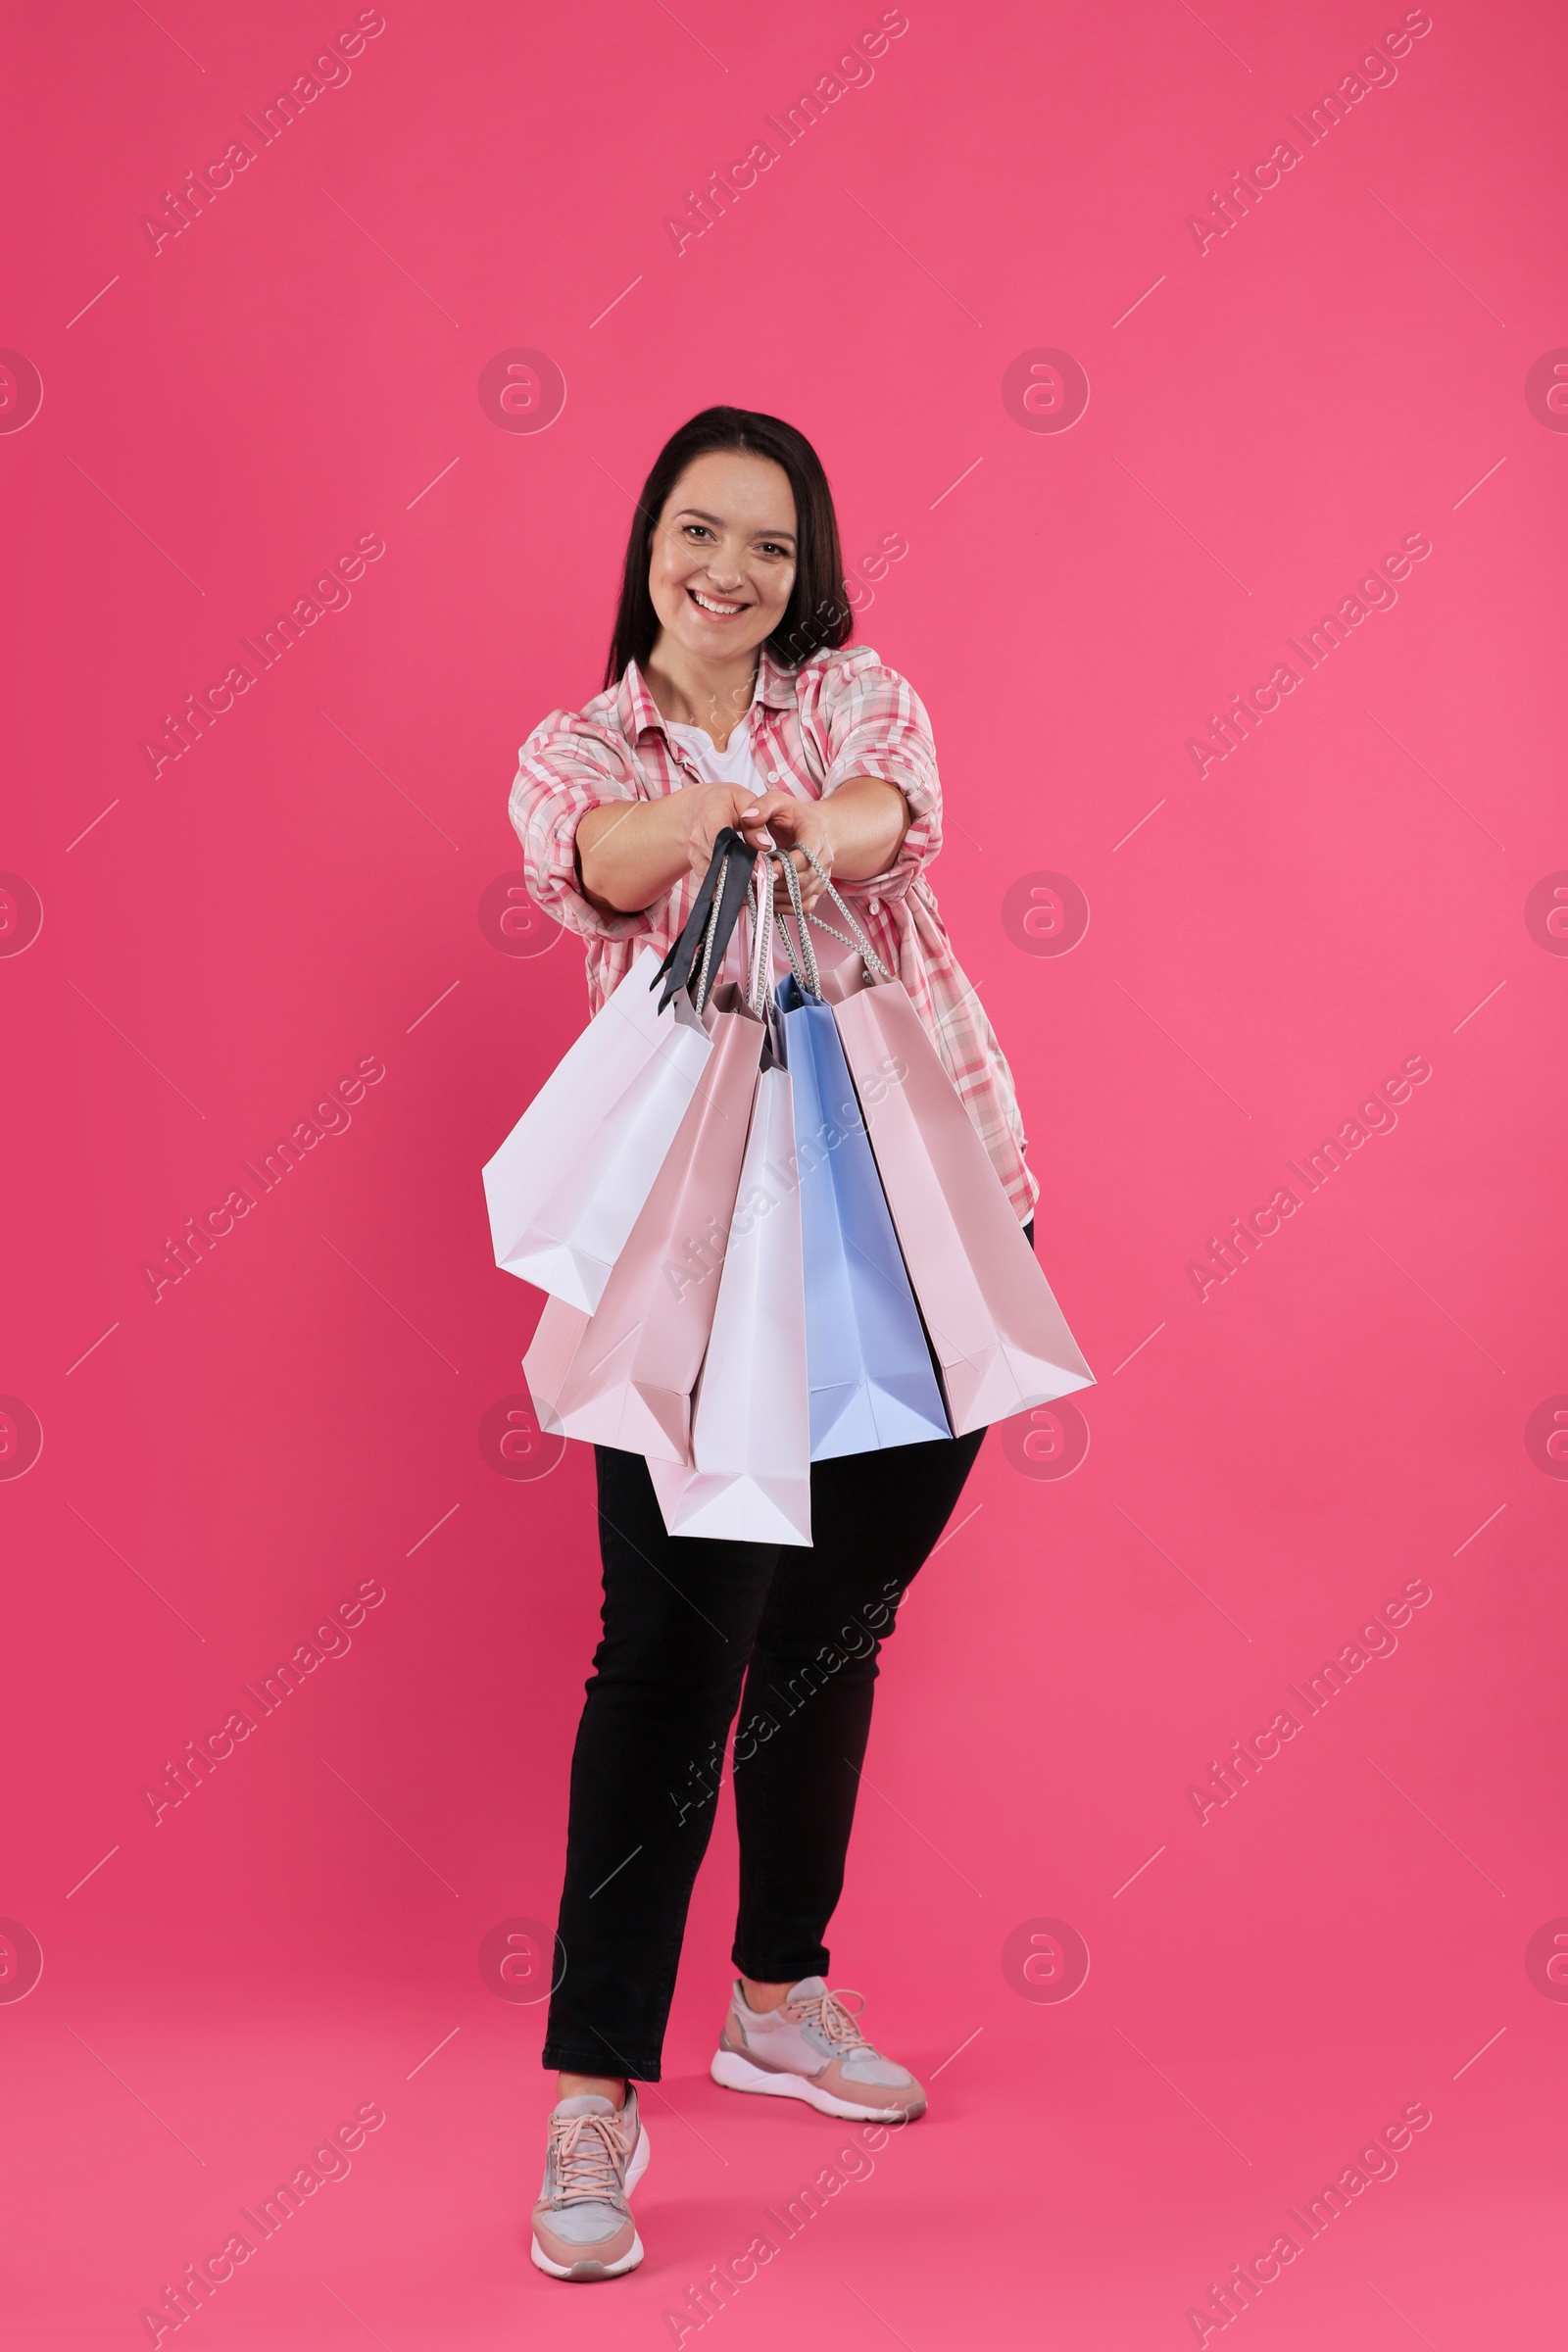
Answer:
(712, 695)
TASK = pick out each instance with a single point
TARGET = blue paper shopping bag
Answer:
(868, 1366)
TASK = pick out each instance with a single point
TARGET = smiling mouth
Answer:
(721, 607)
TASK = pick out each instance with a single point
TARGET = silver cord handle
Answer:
(760, 963)
(700, 993)
(808, 979)
(872, 960)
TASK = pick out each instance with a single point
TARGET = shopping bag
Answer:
(870, 1373)
(1001, 1340)
(750, 1474)
(569, 1182)
(695, 958)
(624, 1375)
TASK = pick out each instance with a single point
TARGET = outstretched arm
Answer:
(855, 832)
(629, 854)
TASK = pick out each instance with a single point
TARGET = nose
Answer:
(723, 567)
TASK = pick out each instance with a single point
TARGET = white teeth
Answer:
(708, 605)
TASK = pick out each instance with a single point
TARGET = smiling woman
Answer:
(734, 699)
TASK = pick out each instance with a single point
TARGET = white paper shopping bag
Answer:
(569, 1182)
(750, 1476)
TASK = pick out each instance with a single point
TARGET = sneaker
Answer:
(812, 2049)
(582, 2225)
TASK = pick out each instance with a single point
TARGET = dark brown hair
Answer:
(818, 613)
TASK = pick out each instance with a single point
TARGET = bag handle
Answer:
(760, 914)
(724, 899)
(758, 982)
(715, 910)
(800, 950)
(869, 954)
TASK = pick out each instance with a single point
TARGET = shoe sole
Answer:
(736, 2072)
(586, 2270)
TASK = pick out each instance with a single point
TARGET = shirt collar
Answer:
(776, 685)
(637, 711)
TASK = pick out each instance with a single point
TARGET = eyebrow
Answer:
(699, 514)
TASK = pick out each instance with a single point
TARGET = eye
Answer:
(697, 530)
(770, 547)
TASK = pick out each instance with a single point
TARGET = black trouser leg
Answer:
(806, 1711)
(679, 1618)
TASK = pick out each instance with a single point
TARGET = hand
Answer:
(796, 826)
(629, 854)
(707, 809)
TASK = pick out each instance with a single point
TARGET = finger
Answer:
(781, 810)
(751, 808)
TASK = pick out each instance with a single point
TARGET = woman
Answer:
(731, 699)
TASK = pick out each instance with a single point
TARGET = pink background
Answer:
(302, 891)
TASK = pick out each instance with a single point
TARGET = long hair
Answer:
(818, 613)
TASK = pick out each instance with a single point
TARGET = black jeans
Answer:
(686, 1622)
(685, 1619)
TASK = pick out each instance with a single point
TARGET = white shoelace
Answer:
(837, 2026)
(585, 2148)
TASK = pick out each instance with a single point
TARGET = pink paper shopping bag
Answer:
(750, 1474)
(1000, 1341)
(623, 1375)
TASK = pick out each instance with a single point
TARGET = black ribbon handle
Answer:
(733, 857)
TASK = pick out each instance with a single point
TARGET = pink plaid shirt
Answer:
(838, 716)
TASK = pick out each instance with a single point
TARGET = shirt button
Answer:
(875, 905)
(775, 776)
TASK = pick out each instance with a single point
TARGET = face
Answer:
(723, 561)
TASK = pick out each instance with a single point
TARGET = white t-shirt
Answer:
(733, 764)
